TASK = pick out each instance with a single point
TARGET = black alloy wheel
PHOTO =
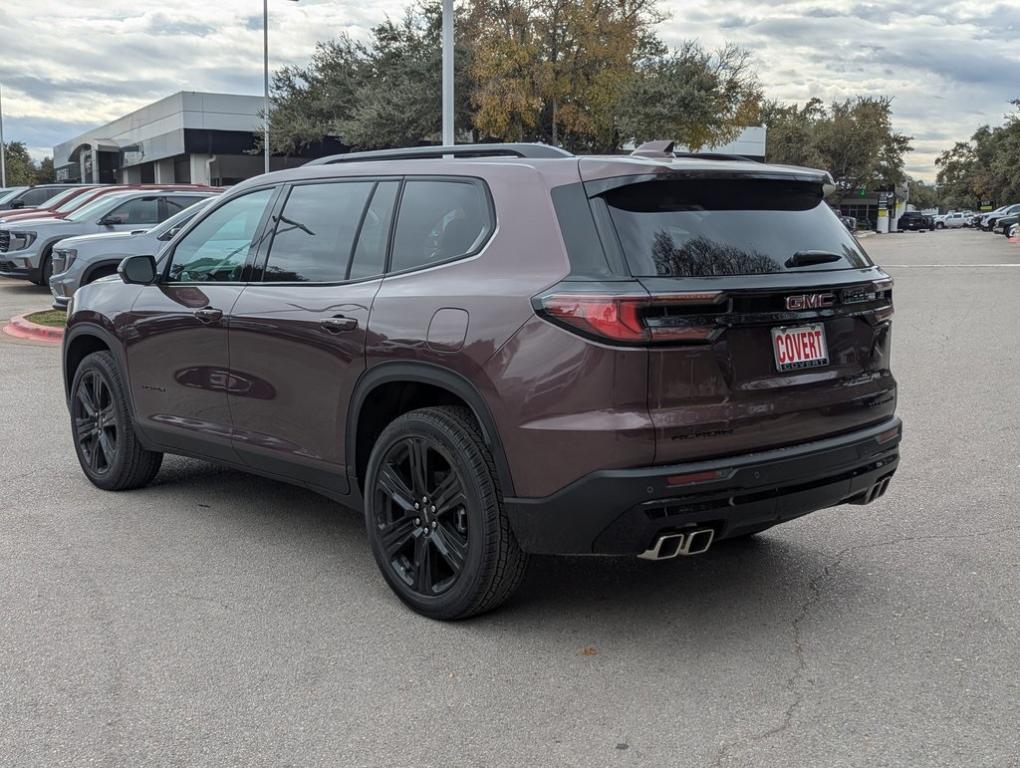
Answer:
(96, 423)
(435, 517)
(421, 515)
(104, 437)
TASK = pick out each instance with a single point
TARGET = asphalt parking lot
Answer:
(217, 619)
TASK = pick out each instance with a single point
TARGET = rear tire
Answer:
(104, 436)
(454, 554)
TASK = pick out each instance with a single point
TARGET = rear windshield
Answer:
(708, 227)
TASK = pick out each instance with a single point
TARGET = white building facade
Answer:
(189, 137)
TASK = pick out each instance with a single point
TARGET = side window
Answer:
(439, 220)
(370, 255)
(218, 246)
(141, 210)
(316, 231)
(33, 197)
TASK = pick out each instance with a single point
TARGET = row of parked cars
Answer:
(1004, 220)
(68, 235)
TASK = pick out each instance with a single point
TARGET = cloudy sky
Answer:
(68, 65)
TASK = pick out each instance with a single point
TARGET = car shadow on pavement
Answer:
(24, 288)
(768, 575)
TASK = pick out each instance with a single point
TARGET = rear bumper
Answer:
(621, 512)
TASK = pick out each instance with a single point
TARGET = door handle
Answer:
(209, 314)
(339, 324)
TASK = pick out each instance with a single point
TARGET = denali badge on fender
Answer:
(810, 301)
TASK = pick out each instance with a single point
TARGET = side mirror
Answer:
(109, 221)
(138, 270)
(17, 204)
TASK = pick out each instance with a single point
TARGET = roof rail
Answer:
(536, 151)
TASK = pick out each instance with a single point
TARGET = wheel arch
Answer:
(90, 272)
(83, 339)
(433, 381)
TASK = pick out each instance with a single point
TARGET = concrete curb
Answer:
(20, 328)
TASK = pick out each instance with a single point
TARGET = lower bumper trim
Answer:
(624, 511)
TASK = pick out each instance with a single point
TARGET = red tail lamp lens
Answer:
(620, 318)
(615, 317)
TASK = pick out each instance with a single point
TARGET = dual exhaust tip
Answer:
(670, 545)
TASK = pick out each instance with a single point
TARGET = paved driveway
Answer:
(216, 619)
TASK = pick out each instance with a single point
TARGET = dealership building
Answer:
(189, 137)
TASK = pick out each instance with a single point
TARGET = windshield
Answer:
(742, 226)
(77, 202)
(98, 208)
(59, 198)
(11, 193)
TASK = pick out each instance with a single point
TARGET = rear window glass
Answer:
(709, 227)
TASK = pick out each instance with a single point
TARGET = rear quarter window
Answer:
(439, 220)
(714, 227)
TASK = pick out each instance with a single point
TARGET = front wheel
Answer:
(104, 439)
(435, 517)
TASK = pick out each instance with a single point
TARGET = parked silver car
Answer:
(77, 261)
(26, 246)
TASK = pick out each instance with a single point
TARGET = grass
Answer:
(56, 318)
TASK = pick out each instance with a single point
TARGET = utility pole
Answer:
(448, 132)
(265, 73)
(265, 80)
(3, 147)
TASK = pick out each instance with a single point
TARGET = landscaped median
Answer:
(47, 325)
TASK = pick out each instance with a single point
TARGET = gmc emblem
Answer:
(810, 301)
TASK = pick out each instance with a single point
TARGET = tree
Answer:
(853, 139)
(383, 93)
(20, 168)
(984, 170)
(45, 174)
(554, 70)
(922, 196)
(697, 97)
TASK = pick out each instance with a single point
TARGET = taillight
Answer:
(613, 317)
(628, 318)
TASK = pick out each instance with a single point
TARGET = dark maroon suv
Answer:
(504, 349)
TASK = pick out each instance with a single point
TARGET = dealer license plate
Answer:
(801, 347)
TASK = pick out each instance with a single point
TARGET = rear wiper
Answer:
(807, 258)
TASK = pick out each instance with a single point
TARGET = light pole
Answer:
(3, 147)
(265, 79)
(448, 135)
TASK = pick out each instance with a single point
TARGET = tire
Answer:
(457, 557)
(939, 225)
(104, 438)
(45, 269)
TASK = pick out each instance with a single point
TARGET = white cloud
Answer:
(950, 65)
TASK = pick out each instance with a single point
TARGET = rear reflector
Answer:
(888, 435)
(621, 318)
(696, 477)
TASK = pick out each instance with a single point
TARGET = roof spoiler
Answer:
(662, 149)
